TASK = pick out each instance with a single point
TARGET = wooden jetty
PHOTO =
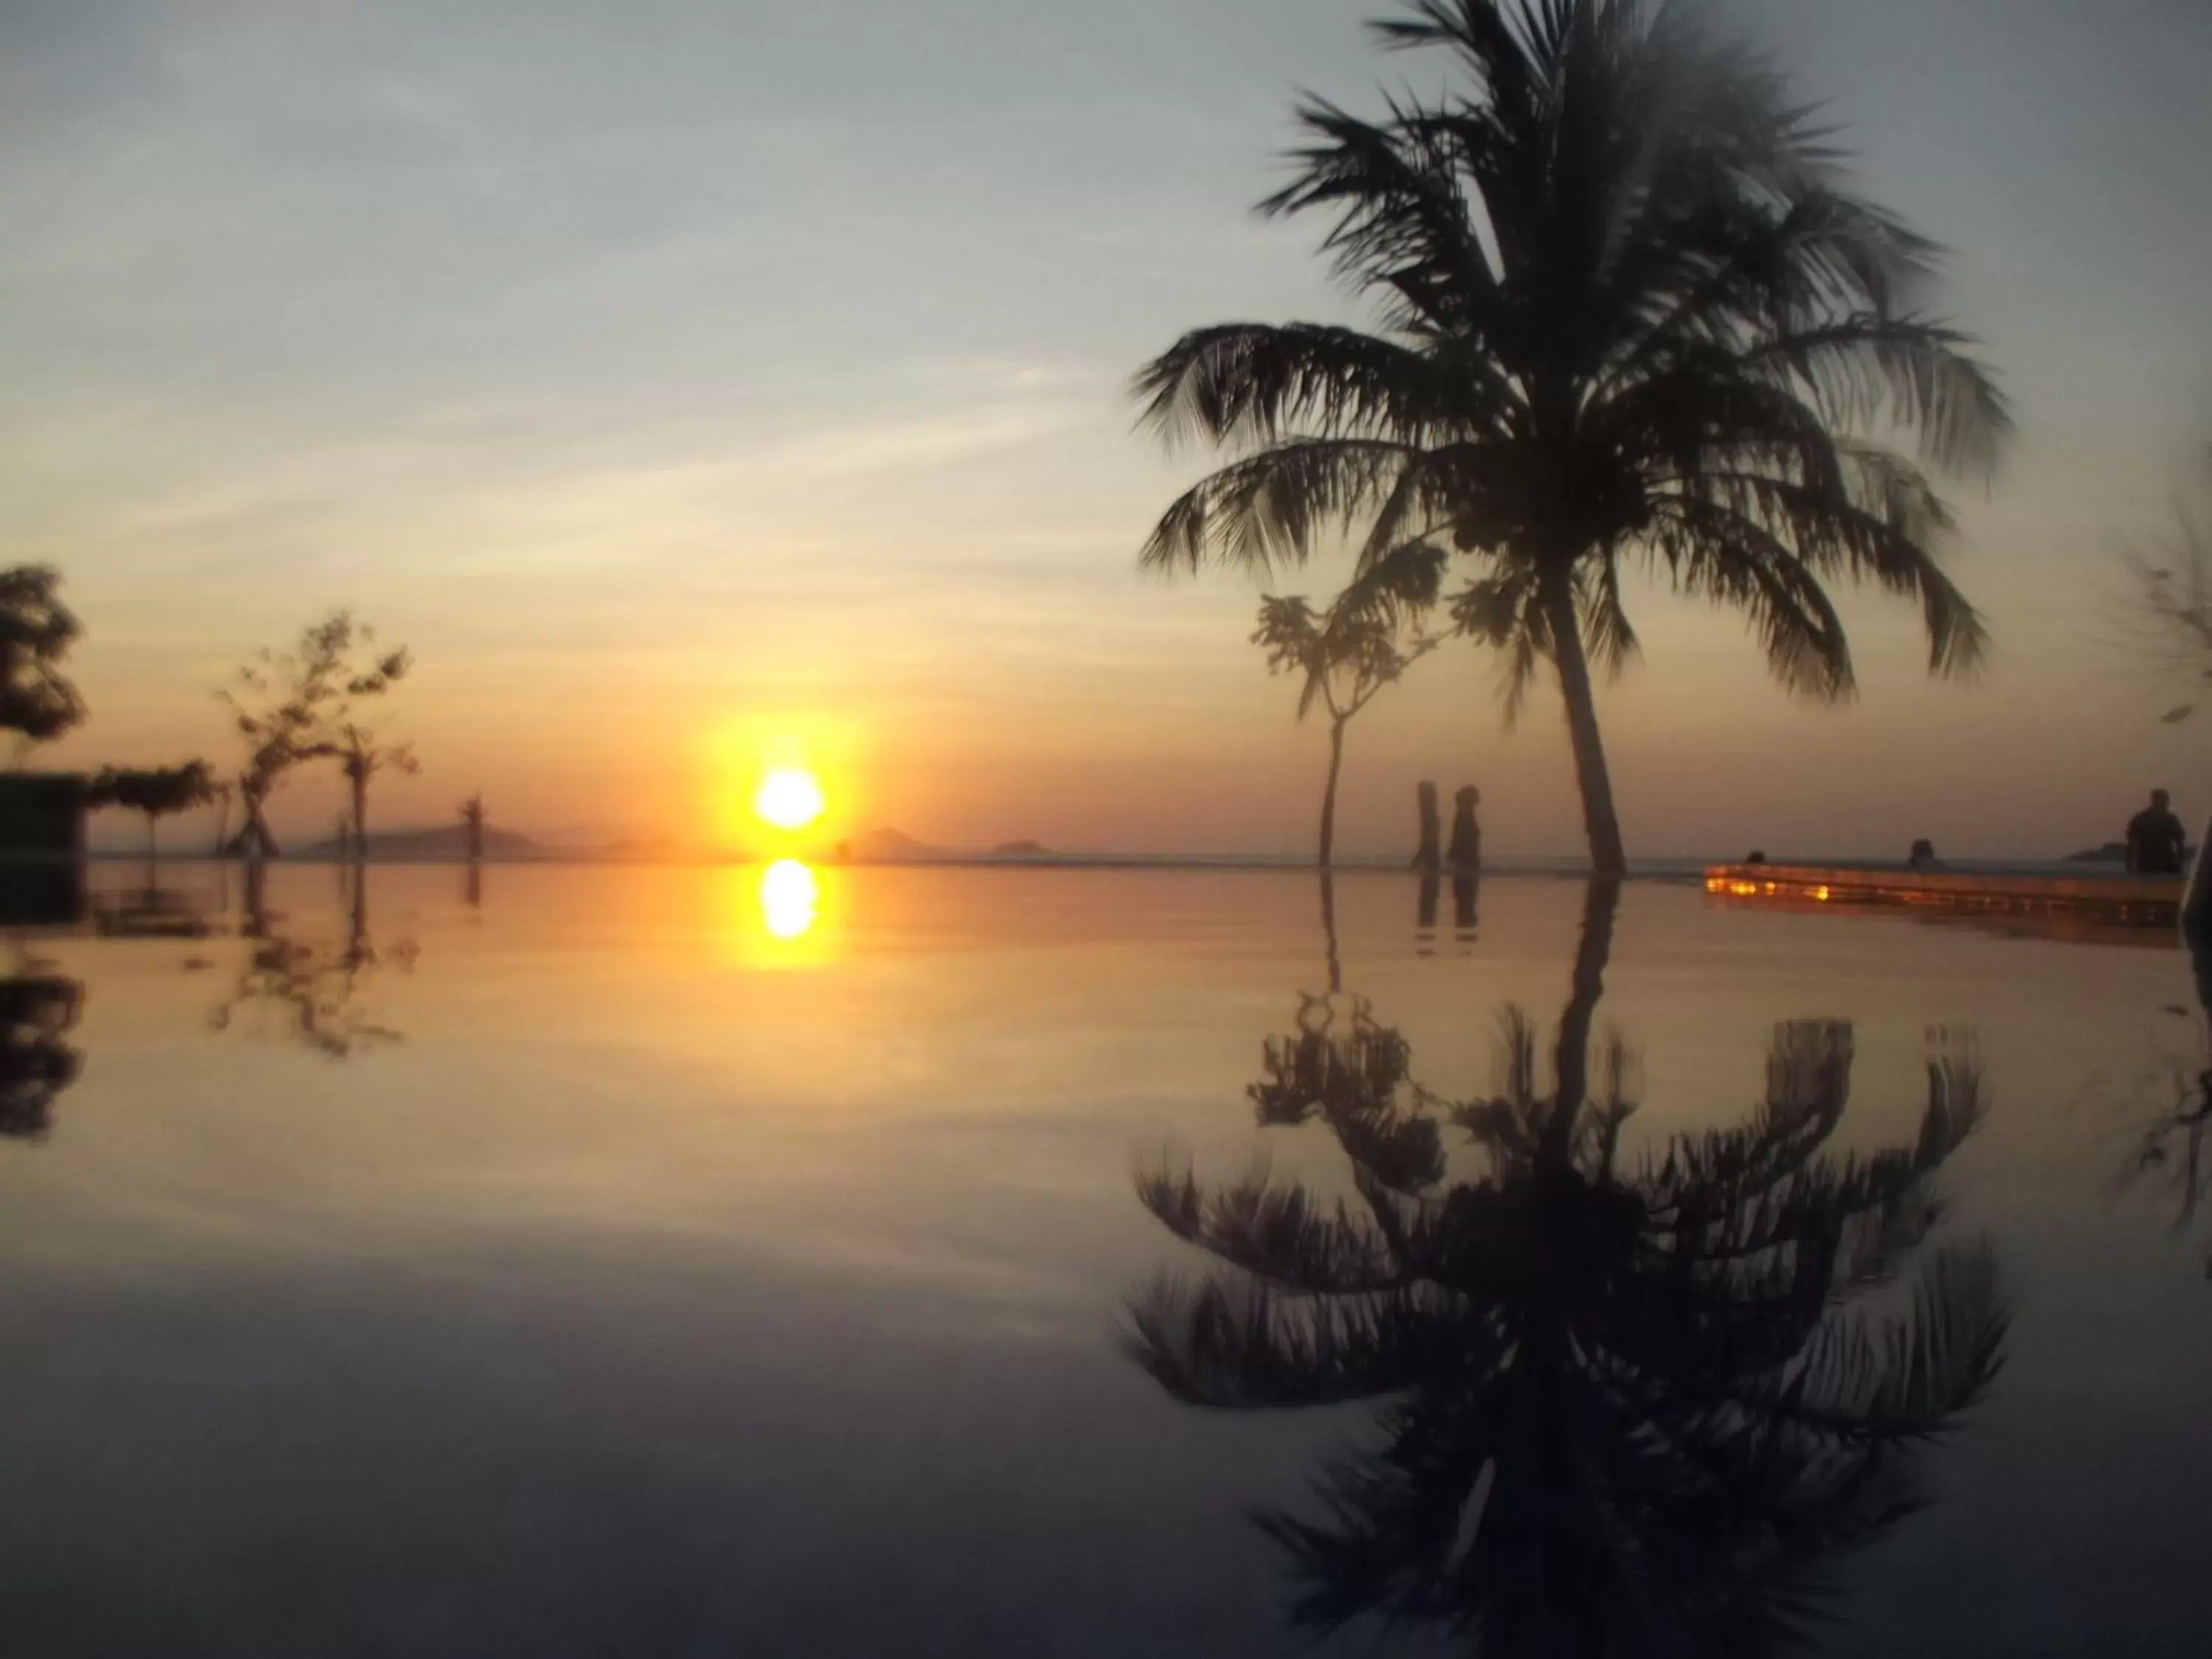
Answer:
(2122, 900)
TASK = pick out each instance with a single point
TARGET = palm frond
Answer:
(1282, 1233)
(1403, 220)
(1274, 506)
(1241, 384)
(1242, 1347)
(1905, 1378)
(1502, 611)
(1866, 369)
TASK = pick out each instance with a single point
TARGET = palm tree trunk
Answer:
(254, 840)
(1328, 795)
(359, 818)
(153, 844)
(1329, 930)
(1600, 821)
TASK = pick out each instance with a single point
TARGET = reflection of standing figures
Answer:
(1466, 892)
(37, 1012)
(1466, 835)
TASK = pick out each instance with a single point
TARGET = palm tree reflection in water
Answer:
(1624, 1407)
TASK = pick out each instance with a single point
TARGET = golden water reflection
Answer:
(790, 899)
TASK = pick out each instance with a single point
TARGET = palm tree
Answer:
(1624, 1407)
(1344, 658)
(301, 706)
(1629, 313)
(157, 792)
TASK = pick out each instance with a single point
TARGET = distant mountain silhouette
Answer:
(442, 842)
(895, 847)
(642, 850)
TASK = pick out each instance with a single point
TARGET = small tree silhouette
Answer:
(36, 632)
(157, 792)
(298, 707)
(1345, 657)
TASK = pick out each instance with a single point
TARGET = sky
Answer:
(692, 385)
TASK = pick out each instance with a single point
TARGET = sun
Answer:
(788, 797)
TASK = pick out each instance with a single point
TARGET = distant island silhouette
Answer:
(2112, 852)
(888, 846)
(438, 844)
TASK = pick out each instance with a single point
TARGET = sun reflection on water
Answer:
(790, 899)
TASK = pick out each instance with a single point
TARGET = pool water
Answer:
(655, 1261)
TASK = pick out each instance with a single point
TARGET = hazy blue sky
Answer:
(684, 378)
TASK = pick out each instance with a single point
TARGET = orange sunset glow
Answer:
(631, 476)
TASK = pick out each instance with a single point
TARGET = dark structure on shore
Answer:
(41, 847)
(42, 815)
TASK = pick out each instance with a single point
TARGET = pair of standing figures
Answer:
(1464, 853)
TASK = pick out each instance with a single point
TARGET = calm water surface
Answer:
(666, 1262)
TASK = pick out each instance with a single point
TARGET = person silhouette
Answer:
(1466, 855)
(2156, 838)
(1427, 856)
